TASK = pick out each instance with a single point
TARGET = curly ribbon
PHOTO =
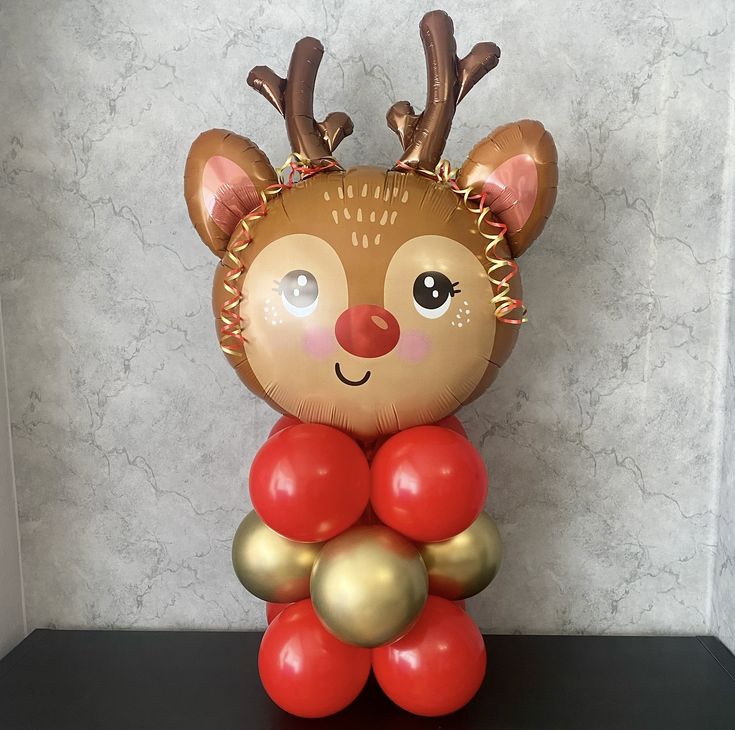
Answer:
(504, 303)
(232, 339)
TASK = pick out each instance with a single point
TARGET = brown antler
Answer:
(293, 97)
(449, 78)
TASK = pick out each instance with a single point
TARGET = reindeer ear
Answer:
(224, 176)
(516, 168)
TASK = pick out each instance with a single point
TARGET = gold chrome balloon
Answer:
(270, 566)
(466, 563)
(369, 585)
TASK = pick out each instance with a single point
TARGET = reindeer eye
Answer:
(432, 294)
(299, 292)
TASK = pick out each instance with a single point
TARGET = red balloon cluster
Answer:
(434, 669)
(311, 482)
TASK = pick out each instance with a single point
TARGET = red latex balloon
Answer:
(453, 424)
(438, 666)
(309, 482)
(274, 609)
(307, 671)
(428, 483)
(283, 422)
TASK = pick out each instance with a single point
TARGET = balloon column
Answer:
(367, 306)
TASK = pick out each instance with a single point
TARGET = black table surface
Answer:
(82, 680)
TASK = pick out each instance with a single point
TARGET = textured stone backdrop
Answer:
(603, 435)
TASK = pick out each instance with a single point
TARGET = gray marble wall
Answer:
(603, 435)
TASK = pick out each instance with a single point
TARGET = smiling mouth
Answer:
(347, 381)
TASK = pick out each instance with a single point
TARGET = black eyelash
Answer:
(454, 290)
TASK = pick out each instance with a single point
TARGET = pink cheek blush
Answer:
(319, 342)
(414, 346)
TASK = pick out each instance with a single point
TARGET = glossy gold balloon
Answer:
(369, 586)
(466, 563)
(270, 566)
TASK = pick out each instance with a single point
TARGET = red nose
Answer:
(367, 330)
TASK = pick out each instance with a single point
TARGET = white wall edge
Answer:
(728, 254)
(9, 636)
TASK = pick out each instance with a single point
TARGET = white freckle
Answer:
(459, 316)
(273, 321)
(350, 191)
(376, 195)
(384, 218)
(466, 303)
(326, 195)
(364, 240)
(340, 193)
(429, 282)
(395, 192)
(393, 217)
(404, 197)
(335, 215)
(347, 214)
(372, 216)
(267, 301)
(459, 324)
(359, 215)
(468, 320)
(354, 238)
(377, 240)
(363, 192)
(453, 323)
(386, 194)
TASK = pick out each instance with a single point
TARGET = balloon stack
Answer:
(367, 306)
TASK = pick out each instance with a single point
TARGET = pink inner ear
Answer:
(228, 192)
(511, 191)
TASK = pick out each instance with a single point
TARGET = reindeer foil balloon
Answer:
(367, 306)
